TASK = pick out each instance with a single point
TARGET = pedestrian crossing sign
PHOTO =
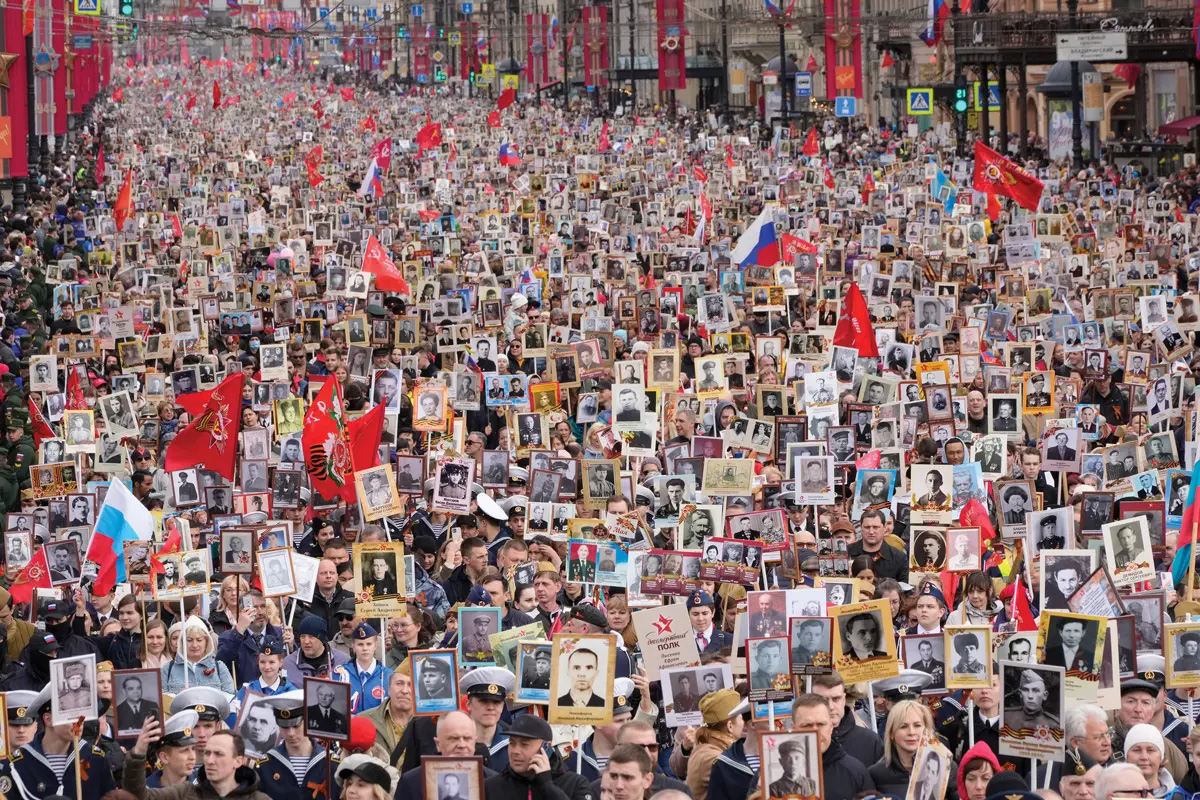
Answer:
(993, 95)
(920, 102)
(90, 8)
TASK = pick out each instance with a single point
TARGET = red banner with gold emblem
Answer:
(420, 52)
(672, 56)
(537, 33)
(595, 45)
(843, 48)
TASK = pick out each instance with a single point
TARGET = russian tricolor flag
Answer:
(509, 156)
(936, 11)
(371, 182)
(759, 244)
(122, 519)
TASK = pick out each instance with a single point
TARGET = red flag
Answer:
(347, 93)
(191, 102)
(700, 174)
(315, 178)
(171, 545)
(318, 110)
(854, 325)
(216, 95)
(887, 61)
(602, 142)
(829, 179)
(369, 124)
(1128, 73)
(429, 137)
(210, 440)
(993, 209)
(75, 399)
(975, 515)
(119, 94)
(811, 65)
(494, 119)
(100, 165)
(365, 434)
(811, 146)
(376, 262)
(124, 200)
(382, 153)
(793, 245)
(506, 99)
(729, 156)
(194, 403)
(995, 174)
(35, 575)
(1022, 613)
(41, 428)
(327, 445)
(313, 158)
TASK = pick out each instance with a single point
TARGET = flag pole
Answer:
(75, 739)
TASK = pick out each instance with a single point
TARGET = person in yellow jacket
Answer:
(723, 725)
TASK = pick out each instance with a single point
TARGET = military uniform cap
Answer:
(363, 632)
(492, 683)
(180, 729)
(211, 704)
(905, 686)
(272, 646)
(622, 695)
(19, 711)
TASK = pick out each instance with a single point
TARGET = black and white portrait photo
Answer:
(327, 709)
(136, 697)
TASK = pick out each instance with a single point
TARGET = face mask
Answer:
(91, 401)
(253, 344)
(60, 630)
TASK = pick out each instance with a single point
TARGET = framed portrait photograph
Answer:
(1033, 704)
(63, 562)
(1050, 530)
(684, 686)
(1182, 654)
(327, 709)
(1127, 551)
(429, 402)
(452, 486)
(864, 647)
(18, 548)
(237, 552)
(791, 765)
(928, 550)
(452, 777)
(435, 685)
(74, 696)
(1097, 511)
(256, 724)
(476, 626)
(811, 640)
(196, 572)
(137, 695)
(926, 652)
(43, 373)
(969, 650)
(1074, 642)
(932, 766)
(584, 666)
(533, 671)
(379, 577)
(767, 665)
(275, 571)
(1062, 573)
(377, 495)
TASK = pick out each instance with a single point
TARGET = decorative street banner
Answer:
(672, 56)
(469, 50)
(13, 98)
(595, 45)
(537, 27)
(45, 61)
(420, 53)
(843, 48)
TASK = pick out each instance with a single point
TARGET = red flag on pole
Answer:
(191, 102)
(494, 119)
(365, 434)
(211, 438)
(506, 99)
(216, 95)
(811, 145)
(124, 201)
(171, 545)
(327, 445)
(41, 428)
(376, 262)
(100, 165)
(429, 136)
(35, 575)
(995, 174)
(854, 325)
(75, 399)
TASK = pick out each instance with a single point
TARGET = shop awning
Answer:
(1180, 127)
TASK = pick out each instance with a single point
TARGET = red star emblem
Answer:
(663, 625)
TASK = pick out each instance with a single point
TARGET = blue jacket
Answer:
(276, 778)
(239, 652)
(430, 595)
(367, 689)
(731, 774)
(33, 778)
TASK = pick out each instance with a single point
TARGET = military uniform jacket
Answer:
(276, 778)
(33, 778)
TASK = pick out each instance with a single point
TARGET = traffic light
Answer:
(126, 8)
(960, 94)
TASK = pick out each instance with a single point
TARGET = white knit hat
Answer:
(1144, 734)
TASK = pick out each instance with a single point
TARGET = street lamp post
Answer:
(783, 68)
(1076, 104)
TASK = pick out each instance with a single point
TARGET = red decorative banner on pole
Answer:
(595, 45)
(843, 48)
(420, 53)
(468, 54)
(672, 58)
(537, 27)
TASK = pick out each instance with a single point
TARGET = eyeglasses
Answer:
(651, 746)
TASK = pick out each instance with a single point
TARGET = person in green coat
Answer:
(20, 452)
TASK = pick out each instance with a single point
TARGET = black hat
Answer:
(346, 608)
(589, 614)
(1077, 762)
(370, 771)
(528, 726)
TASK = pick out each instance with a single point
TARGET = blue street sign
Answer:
(323, 12)
(803, 84)
(80, 42)
(468, 8)
(422, 79)
(845, 107)
(417, 11)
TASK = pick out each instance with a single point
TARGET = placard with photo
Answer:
(968, 650)
(377, 495)
(791, 765)
(137, 697)
(1061, 575)
(684, 686)
(931, 770)
(1074, 642)
(1032, 705)
(379, 579)
(864, 646)
(926, 652)
(451, 777)
(1127, 552)
(327, 709)
(1182, 654)
(276, 573)
(811, 643)
(583, 667)
(435, 685)
(477, 624)
(75, 694)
